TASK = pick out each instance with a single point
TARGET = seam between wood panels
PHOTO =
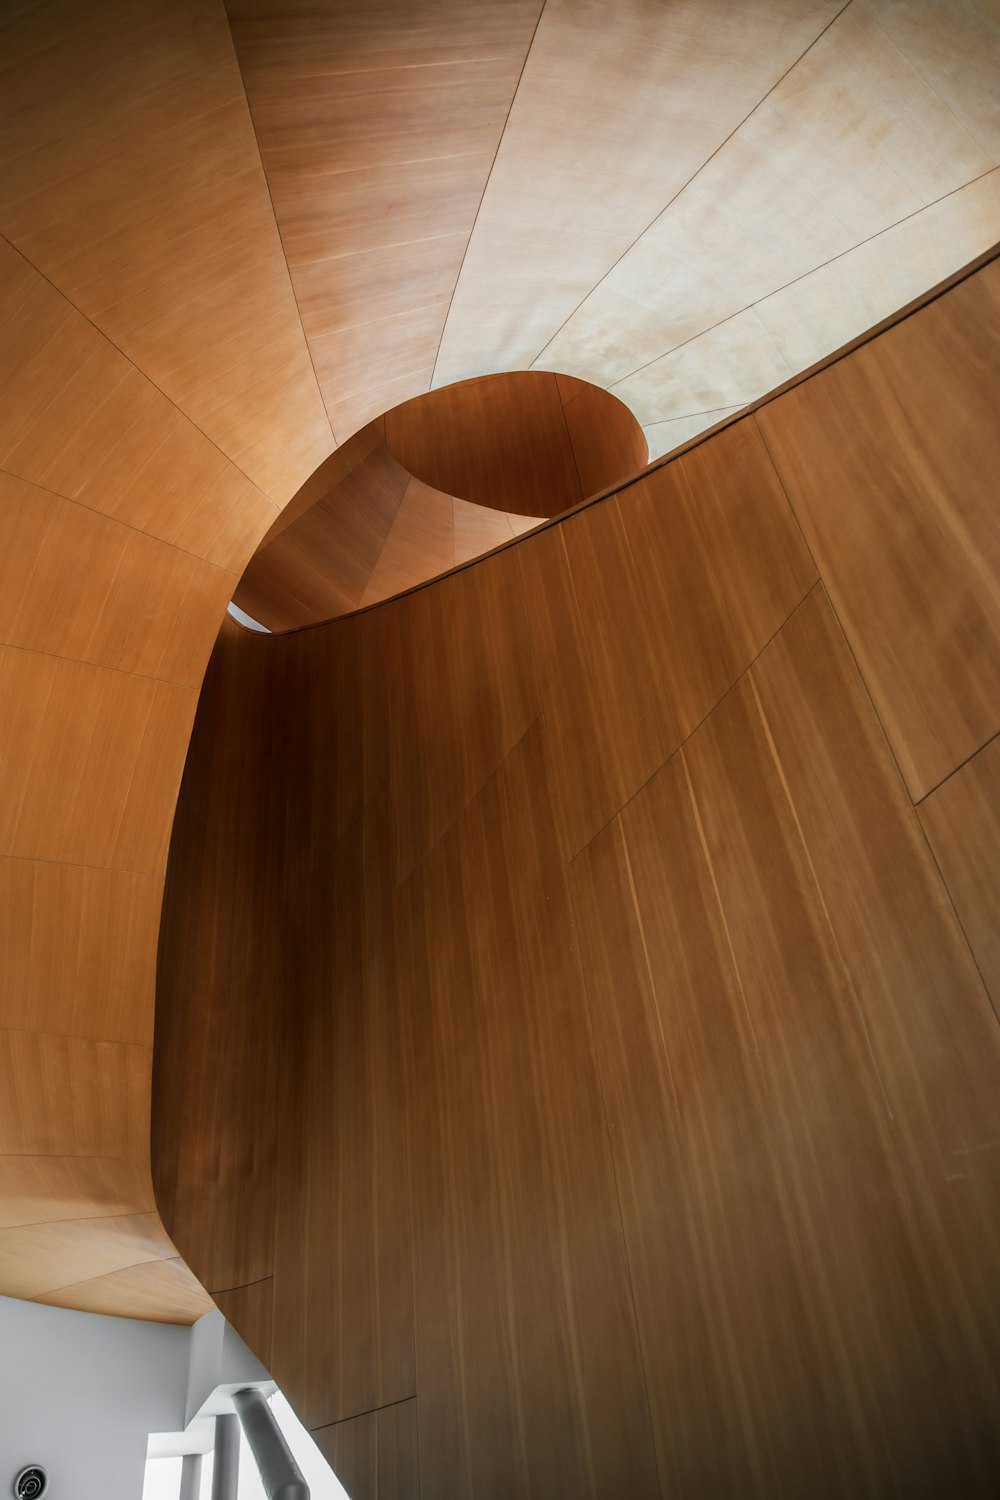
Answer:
(155, 1260)
(486, 184)
(836, 615)
(241, 1286)
(539, 717)
(569, 436)
(696, 173)
(139, 371)
(105, 515)
(704, 718)
(368, 1412)
(139, 1213)
(794, 280)
(741, 412)
(919, 801)
(277, 226)
(101, 666)
(993, 1002)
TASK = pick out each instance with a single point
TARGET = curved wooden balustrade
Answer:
(435, 482)
(576, 1029)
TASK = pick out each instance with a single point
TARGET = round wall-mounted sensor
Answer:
(31, 1483)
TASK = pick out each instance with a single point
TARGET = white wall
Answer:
(80, 1393)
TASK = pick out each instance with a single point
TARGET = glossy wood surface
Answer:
(635, 1064)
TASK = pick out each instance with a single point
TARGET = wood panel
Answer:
(961, 820)
(516, 1222)
(791, 1031)
(892, 476)
(506, 441)
(120, 447)
(158, 1291)
(182, 269)
(248, 1309)
(343, 1242)
(375, 1455)
(634, 1067)
(643, 611)
(123, 528)
(377, 131)
(367, 525)
(574, 185)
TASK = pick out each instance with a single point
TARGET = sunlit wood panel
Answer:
(633, 97)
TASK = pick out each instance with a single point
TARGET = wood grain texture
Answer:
(791, 1031)
(248, 1309)
(375, 1455)
(123, 529)
(961, 821)
(644, 610)
(507, 441)
(380, 517)
(893, 477)
(634, 1066)
(182, 269)
(377, 131)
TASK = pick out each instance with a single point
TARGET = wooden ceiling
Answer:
(686, 204)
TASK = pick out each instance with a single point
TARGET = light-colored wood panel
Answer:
(320, 564)
(420, 544)
(743, 356)
(99, 194)
(35, 1257)
(157, 1291)
(477, 530)
(673, 84)
(962, 821)
(78, 950)
(645, 610)
(75, 583)
(248, 1308)
(852, 140)
(92, 761)
(77, 418)
(378, 132)
(905, 534)
(375, 1455)
(66, 1096)
(957, 52)
(46, 1189)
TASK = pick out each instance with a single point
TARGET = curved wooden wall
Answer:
(531, 442)
(157, 407)
(621, 909)
(360, 529)
(434, 483)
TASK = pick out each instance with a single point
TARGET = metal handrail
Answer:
(279, 1473)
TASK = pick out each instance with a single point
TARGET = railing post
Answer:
(190, 1476)
(226, 1468)
(280, 1474)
